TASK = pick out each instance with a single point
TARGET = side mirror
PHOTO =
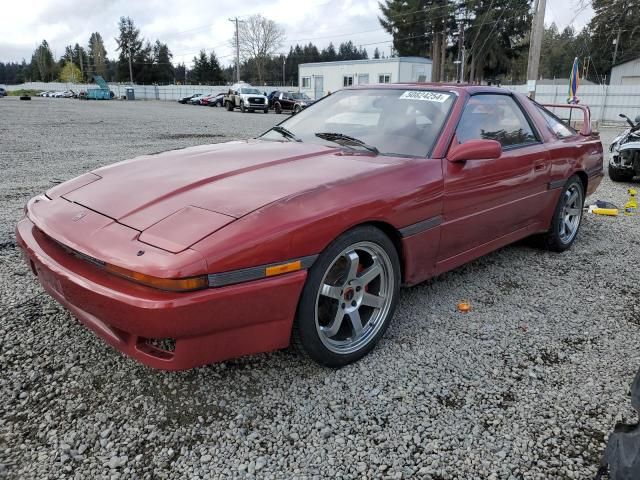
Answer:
(475, 150)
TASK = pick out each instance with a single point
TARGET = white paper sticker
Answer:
(425, 96)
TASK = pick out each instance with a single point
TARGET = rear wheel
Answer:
(266, 110)
(349, 298)
(278, 108)
(619, 175)
(566, 218)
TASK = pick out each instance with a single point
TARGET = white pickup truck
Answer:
(246, 98)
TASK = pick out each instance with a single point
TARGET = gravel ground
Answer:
(527, 385)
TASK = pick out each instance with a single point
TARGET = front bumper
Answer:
(206, 326)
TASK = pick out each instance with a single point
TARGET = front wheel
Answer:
(242, 109)
(566, 218)
(349, 298)
(229, 106)
(297, 109)
(266, 110)
(619, 175)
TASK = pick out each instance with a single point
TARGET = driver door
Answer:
(492, 202)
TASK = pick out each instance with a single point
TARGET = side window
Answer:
(347, 80)
(560, 129)
(306, 82)
(495, 117)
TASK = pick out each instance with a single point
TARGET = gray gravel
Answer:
(527, 385)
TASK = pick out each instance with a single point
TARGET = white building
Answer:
(317, 79)
(627, 73)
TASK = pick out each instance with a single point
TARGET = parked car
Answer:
(290, 101)
(306, 234)
(213, 100)
(624, 161)
(246, 98)
(186, 99)
(196, 99)
(3, 92)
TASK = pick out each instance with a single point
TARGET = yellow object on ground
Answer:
(631, 207)
(613, 212)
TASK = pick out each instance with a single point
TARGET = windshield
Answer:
(253, 91)
(395, 121)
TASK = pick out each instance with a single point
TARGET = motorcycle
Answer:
(624, 163)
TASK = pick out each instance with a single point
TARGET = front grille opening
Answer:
(166, 344)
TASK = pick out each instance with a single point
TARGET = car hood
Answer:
(230, 179)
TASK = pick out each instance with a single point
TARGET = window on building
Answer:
(384, 78)
(306, 82)
(347, 80)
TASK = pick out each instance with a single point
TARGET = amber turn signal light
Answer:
(169, 284)
(283, 268)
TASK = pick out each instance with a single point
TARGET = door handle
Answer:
(538, 166)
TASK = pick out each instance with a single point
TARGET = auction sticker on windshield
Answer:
(425, 96)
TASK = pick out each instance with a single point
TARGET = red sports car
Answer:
(305, 234)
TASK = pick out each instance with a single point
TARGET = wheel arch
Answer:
(584, 178)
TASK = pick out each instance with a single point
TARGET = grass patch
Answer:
(19, 93)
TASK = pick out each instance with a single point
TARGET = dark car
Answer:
(3, 92)
(290, 101)
(186, 99)
(213, 100)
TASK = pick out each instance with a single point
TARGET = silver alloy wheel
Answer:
(354, 298)
(571, 214)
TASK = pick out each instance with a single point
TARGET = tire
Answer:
(619, 175)
(266, 110)
(229, 106)
(366, 302)
(278, 108)
(296, 109)
(567, 217)
(242, 109)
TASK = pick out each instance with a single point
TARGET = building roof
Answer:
(371, 61)
(628, 61)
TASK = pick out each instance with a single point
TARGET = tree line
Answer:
(494, 35)
(261, 59)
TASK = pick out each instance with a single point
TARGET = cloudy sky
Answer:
(188, 26)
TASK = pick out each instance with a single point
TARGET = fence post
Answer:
(604, 105)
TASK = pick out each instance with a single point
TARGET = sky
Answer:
(189, 26)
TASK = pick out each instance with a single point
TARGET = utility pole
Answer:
(615, 50)
(81, 64)
(284, 77)
(235, 20)
(535, 45)
(130, 67)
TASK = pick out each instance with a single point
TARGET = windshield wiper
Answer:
(346, 140)
(285, 133)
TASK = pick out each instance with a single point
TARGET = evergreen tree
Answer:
(97, 55)
(613, 21)
(130, 45)
(163, 71)
(42, 63)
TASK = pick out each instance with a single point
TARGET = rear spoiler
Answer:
(586, 125)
